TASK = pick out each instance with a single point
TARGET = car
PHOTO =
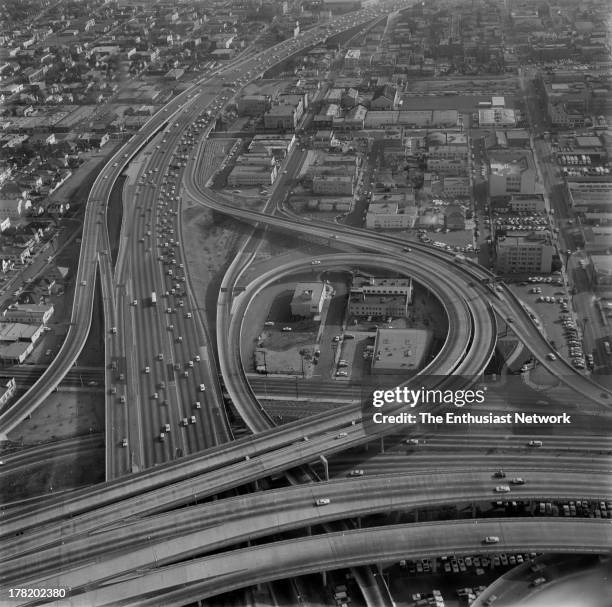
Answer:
(147, 369)
(510, 319)
(315, 262)
(124, 442)
(322, 501)
(534, 443)
(551, 356)
(197, 358)
(502, 489)
(83, 283)
(356, 472)
(287, 329)
(517, 481)
(134, 302)
(202, 388)
(160, 356)
(499, 474)
(341, 434)
(538, 581)
(412, 441)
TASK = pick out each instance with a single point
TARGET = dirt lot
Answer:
(84, 467)
(64, 414)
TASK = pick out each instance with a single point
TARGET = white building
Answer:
(511, 172)
(524, 254)
(308, 298)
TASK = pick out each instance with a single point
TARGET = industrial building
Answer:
(512, 172)
(386, 215)
(381, 297)
(308, 298)
(524, 254)
(29, 313)
(400, 350)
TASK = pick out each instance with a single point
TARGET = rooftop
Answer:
(401, 349)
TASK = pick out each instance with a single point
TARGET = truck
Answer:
(153, 298)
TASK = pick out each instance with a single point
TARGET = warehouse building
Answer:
(400, 350)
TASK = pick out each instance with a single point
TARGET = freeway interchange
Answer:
(138, 337)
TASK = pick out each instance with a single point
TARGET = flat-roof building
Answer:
(380, 297)
(38, 314)
(308, 298)
(14, 331)
(524, 254)
(512, 172)
(400, 350)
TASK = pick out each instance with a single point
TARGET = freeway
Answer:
(156, 541)
(583, 457)
(521, 320)
(176, 585)
(97, 203)
(505, 303)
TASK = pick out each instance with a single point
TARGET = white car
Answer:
(491, 539)
(502, 489)
(202, 388)
(322, 501)
(315, 262)
(147, 370)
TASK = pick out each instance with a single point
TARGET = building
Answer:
(590, 195)
(524, 254)
(400, 350)
(36, 314)
(251, 175)
(16, 352)
(333, 185)
(387, 216)
(511, 172)
(253, 105)
(308, 298)
(456, 187)
(13, 208)
(602, 269)
(454, 217)
(285, 116)
(533, 203)
(496, 117)
(380, 297)
(7, 390)
(14, 331)
(352, 58)
(385, 98)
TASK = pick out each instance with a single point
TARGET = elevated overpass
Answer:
(156, 541)
(207, 577)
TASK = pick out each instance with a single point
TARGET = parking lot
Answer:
(548, 301)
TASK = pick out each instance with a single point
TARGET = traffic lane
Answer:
(209, 576)
(181, 535)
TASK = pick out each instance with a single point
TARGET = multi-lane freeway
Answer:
(151, 383)
(212, 575)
